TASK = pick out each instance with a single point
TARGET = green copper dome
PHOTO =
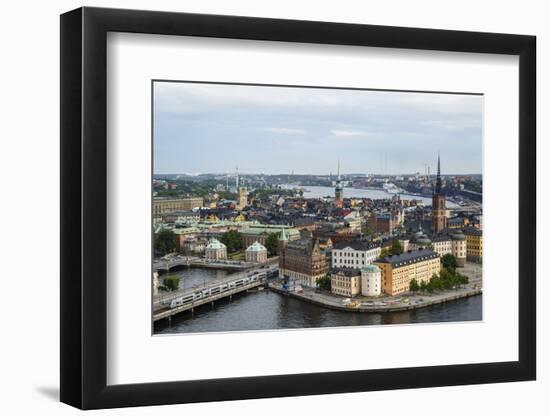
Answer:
(370, 269)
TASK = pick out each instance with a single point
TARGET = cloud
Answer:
(408, 128)
(285, 131)
(348, 133)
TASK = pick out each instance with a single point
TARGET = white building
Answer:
(453, 243)
(353, 221)
(215, 250)
(371, 281)
(345, 282)
(404, 241)
(354, 254)
(256, 253)
(442, 244)
(155, 283)
(458, 246)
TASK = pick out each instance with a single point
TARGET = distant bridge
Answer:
(168, 304)
(167, 264)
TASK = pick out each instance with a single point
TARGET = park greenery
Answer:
(324, 283)
(447, 279)
(272, 244)
(396, 248)
(264, 194)
(366, 231)
(171, 282)
(448, 262)
(186, 188)
(227, 195)
(165, 242)
(237, 256)
(233, 240)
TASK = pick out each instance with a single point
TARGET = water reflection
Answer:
(263, 310)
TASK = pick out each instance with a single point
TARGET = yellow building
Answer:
(164, 205)
(398, 271)
(474, 244)
(242, 201)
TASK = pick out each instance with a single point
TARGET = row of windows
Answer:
(355, 254)
(349, 262)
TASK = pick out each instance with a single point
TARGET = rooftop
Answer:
(370, 268)
(349, 272)
(472, 231)
(256, 247)
(409, 257)
(215, 244)
(361, 245)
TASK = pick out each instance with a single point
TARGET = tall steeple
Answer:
(439, 212)
(339, 190)
(438, 180)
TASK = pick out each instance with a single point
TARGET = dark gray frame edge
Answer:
(83, 208)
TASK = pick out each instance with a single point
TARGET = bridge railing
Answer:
(164, 298)
(167, 312)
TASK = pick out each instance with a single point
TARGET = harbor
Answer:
(207, 314)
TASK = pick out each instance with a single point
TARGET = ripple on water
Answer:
(265, 310)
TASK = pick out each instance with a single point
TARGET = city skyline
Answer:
(211, 128)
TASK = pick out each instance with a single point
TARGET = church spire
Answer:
(438, 180)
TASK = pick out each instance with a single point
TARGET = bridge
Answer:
(178, 260)
(168, 304)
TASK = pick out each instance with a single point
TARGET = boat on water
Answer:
(390, 188)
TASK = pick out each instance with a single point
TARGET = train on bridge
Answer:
(201, 294)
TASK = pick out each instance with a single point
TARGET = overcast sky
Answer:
(205, 128)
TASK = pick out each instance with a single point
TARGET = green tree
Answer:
(423, 285)
(448, 261)
(396, 248)
(365, 230)
(413, 285)
(233, 240)
(463, 279)
(165, 242)
(171, 282)
(324, 283)
(226, 195)
(385, 252)
(272, 244)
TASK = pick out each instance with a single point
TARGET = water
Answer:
(318, 192)
(193, 277)
(263, 310)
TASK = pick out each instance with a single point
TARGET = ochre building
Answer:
(164, 205)
(474, 244)
(398, 271)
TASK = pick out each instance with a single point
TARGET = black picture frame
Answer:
(84, 207)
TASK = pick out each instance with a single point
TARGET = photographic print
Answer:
(293, 207)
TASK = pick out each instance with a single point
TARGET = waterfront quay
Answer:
(168, 304)
(384, 303)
